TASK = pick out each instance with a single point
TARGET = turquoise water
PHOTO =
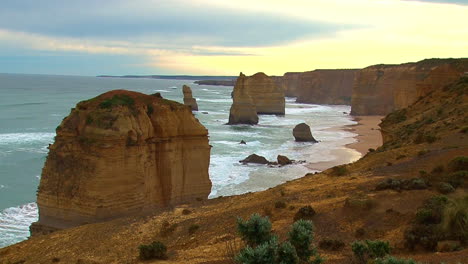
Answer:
(31, 107)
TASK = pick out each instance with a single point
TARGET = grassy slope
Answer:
(117, 241)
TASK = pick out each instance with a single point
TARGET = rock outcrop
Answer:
(243, 110)
(188, 98)
(283, 160)
(254, 158)
(302, 133)
(267, 96)
(380, 89)
(122, 153)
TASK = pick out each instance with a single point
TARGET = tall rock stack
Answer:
(188, 98)
(267, 96)
(243, 110)
(122, 153)
(381, 89)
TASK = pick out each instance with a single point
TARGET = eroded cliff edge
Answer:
(122, 153)
(380, 89)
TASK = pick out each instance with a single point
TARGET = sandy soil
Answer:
(368, 133)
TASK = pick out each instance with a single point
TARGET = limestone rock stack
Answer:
(119, 154)
(243, 110)
(188, 98)
(302, 133)
(381, 89)
(267, 96)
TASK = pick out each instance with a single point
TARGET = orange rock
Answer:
(119, 154)
(243, 110)
(188, 98)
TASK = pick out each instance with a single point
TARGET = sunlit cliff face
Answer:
(225, 37)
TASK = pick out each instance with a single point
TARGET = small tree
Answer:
(287, 254)
(155, 250)
(255, 231)
(370, 249)
(266, 253)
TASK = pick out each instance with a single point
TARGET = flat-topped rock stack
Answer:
(188, 98)
(243, 110)
(266, 94)
(122, 153)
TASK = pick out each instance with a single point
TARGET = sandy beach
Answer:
(368, 133)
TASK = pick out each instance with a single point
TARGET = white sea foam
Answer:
(15, 222)
(215, 100)
(15, 138)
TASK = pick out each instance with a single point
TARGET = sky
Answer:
(225, 37)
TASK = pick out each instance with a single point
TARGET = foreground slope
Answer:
(425, 136)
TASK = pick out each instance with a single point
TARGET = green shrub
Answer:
(457, 179)
(445, 188)
(464, 130)
(193, 228)
(306, 212)
(155, 250)
(280, 204)
(340, 170)
(363, 251)
(287, 254)
(454, 222)
(331, 244)
(393, 260)
(262, 254)
(118, 99)
(255, 231)
(459, 164)
(149, 109)
(301, 236)
(396, 116)
(438, 169)
(422, 152)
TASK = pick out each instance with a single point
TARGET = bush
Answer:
(438, 169)
(297, 249)
(459, 164)
(193, 228)
(255, 231)
(306, 212)
(370, 250)
(331, 244)
(455, 219)
(457, 179)
(340, 170)
(117, 100)
(393, 260)
(280, 205)
(445, 188)
(155, 250)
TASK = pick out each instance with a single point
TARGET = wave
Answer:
(15, 222)
(28, 138)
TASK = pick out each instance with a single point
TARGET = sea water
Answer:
(32, 106)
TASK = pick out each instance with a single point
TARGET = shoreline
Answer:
(368, 133)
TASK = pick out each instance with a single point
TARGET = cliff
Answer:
(122, 153)
(188, 98)
(268, 97)
(217, 82)
(243, 110)
(380, 89)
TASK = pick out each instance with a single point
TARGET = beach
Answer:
(368, 133)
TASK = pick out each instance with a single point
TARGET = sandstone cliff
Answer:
(118, 154)
(188, 98)
(243, 110)
(268, 97)
(380, 89)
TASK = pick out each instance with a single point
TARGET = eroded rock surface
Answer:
(302, 133)
(188, 98)
(122, 153)
(381, 89)
(243, 110)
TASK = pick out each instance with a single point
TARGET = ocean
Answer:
(32, 106)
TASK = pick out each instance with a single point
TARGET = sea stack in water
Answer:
(302, 133)
(188, 98)
(243, 110)
(267, 95)
(119, 154)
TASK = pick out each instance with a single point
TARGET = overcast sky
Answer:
(89, 37)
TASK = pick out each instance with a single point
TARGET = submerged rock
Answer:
(302, 133)
(188, 98)
(254, 158)
(243, 110)
(122, 153)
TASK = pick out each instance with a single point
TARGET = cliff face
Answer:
(291, 83)
(188, 98)
(243, 110)
(380, 89)
(267, 96)
(325, 87)
(118, 154)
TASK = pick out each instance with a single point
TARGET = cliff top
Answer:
(461, 63)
